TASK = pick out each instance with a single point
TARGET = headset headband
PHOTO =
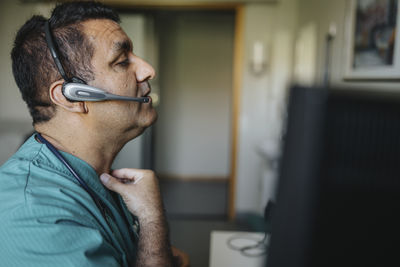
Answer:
(53, 51)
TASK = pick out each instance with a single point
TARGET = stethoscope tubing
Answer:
(97, 201)
(73, 172)
(66, 164)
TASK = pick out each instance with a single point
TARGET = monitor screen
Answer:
(339, 186)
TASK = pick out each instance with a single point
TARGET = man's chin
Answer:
(142, 125)
(151, 119)
(154, 119)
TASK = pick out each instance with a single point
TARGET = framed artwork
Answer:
(372, 40)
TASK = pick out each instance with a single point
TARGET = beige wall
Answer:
(193, 130)
(263, 99)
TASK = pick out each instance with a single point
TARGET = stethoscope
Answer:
(99, 203)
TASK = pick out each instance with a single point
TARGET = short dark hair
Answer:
(34, 68)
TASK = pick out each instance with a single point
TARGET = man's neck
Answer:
(99, 151)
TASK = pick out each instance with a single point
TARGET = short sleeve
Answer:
(48, 219)
(47, 235)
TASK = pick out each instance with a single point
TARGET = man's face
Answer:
(119, 71)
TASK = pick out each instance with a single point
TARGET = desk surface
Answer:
(221, 255)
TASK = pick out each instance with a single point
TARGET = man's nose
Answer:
(144, 71)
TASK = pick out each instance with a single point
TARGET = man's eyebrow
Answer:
(122, 46)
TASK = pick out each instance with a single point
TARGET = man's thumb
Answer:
(110, 182)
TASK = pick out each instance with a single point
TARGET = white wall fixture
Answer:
(305, 59)
(332, 31)
(259, 58)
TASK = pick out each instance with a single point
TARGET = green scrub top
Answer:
(48, 219)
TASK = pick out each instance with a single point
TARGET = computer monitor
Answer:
(338, 200)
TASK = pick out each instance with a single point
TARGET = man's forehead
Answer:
(104, 31)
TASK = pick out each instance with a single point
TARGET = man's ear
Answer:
(57, 97)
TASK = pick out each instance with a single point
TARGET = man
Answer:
(56, 213)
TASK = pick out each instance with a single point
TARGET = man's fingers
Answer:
(120, 177)
(111, 183)
(132, 174)
(126, 173)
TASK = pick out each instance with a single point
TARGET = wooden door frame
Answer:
(237, 76)
(237, 73)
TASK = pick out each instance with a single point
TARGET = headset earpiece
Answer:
(72, 80)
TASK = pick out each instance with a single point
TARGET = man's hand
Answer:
(140, 192)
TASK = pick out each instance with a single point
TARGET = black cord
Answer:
(259, 248)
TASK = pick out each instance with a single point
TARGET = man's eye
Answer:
(124, 63)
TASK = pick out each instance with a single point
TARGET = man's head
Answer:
(92, 47)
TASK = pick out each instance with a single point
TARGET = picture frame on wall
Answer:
(372, 40)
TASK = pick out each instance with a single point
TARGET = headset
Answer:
(76, 89)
